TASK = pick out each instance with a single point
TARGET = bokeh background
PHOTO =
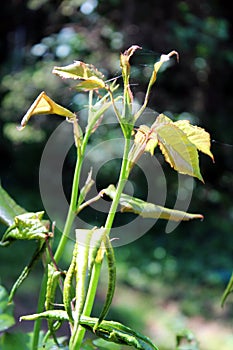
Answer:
(165, 282)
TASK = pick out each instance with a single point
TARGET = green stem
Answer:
(66, 232)
(40, 308)
(78, 337)
(97, 266)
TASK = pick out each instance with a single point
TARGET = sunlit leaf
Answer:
(198, 136)
(176, 147)
(89, 84)
(157, 65)
(125, 57)
(26, 226)
(148, 136)
(45, 105)
(78, 70)
(125, 67)
(8, 208)
(149, 210)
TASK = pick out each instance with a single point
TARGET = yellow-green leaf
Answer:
(198, 136)
(176, 147)
(149, 210)
(78, 70)
(45, 105)
(92, 83)
(157, 65)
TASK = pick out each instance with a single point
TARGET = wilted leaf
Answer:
(157, 65)
(45, 105)
(8, 208)
(125, 67)
(78, 70)
(149, 210)
(198, 136)
(176, 147)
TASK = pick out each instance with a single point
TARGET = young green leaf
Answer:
(8, 208)
(149, 210)
(26, 226)
(45, 105)
(176, 147)
(128, 96)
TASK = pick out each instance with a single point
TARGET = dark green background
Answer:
(36, 35)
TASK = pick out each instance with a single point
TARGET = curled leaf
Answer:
(118, 333)
(58, 315)
(26, 226)
(78, 70)
(45, 105)
(149, 210)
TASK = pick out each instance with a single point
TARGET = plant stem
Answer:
(40, 307)
(97, 266)
(66, 232)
